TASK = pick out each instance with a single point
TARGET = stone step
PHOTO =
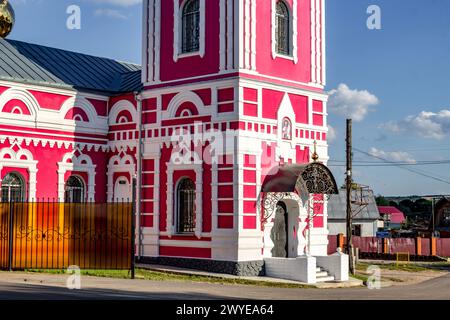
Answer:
(325, 279)
(318, 269)
(322, 274)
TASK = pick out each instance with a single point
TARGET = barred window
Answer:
(75, 190)
(13, 188)
(186, 206)
(191, 26)
(283, 29)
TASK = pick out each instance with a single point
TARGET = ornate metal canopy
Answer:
(311, 178)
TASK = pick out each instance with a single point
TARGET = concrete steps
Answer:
(323, 275)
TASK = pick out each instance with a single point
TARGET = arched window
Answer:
(13, 188)
(286, 129)
(283, 29)
(75, 190)
(191, 26)
(186, 206)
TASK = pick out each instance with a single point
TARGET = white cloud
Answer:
(355, 104)
(426, 124)
(122, 3)
(332, 134)
(110, 13)
(393, 156)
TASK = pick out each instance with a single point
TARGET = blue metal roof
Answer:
(40, 65)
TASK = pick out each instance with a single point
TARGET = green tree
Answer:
(381, 201)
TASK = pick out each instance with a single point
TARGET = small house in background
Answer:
(366, 218)
(393, 217)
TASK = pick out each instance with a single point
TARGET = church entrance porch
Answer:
(294, 247)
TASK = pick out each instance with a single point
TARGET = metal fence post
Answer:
(133, 231)
(11, 239)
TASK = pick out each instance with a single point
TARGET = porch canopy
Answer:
(309, 178)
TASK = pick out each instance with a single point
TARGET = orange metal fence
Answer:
(52, 235)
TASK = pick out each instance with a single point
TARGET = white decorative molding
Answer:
(120, 167)
(185, 96)
(76, 164)
(120, 106)
(323, 41)
(313, 42)
(222, 35)
(293, 19)
(230, 36)
(286, 148)
(178, 32)
(147, 54)
(21, 159)
(196, 166)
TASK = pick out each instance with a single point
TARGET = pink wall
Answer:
(280, 67)
(195, 65)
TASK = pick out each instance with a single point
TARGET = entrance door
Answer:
(279, 232)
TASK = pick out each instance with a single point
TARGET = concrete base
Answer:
(301, 269)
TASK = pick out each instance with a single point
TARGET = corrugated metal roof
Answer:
(36, 64)
(337, 208)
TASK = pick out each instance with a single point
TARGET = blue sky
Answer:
(393, 82)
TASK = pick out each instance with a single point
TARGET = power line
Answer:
(403, 167)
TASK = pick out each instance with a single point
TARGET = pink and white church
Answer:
(224, 128)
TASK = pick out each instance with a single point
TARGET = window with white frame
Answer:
(185, 200)
(190, 26)
(75, 190)
(13, 188)
(283, 32)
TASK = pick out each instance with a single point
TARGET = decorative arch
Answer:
(29, 101)
(118, 108)
(76, 114)
(119, 164)
(21, 159)
(80, 104)
(16, 106)
(179, 100)
(82, 163)
(304, 179)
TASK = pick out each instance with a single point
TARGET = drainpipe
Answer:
(137, 96)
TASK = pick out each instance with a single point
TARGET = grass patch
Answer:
(409, 267)
(143, 274)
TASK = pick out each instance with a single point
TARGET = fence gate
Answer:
(52, 235)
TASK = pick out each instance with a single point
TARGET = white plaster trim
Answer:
(197, 167)
(186, 96)
(15, 162)
(230, 36)
(293, 12)
(178, 34)
(120, 106)
(121, 167)
(157, 37)
(313, 41)
(222, 35)
(76, 165)
(147, 54)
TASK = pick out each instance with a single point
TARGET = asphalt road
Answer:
(52, 287)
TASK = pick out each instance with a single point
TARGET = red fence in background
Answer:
(414, 246)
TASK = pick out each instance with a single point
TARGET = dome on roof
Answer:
(7, 18)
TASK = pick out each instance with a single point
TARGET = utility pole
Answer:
(349, 182)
